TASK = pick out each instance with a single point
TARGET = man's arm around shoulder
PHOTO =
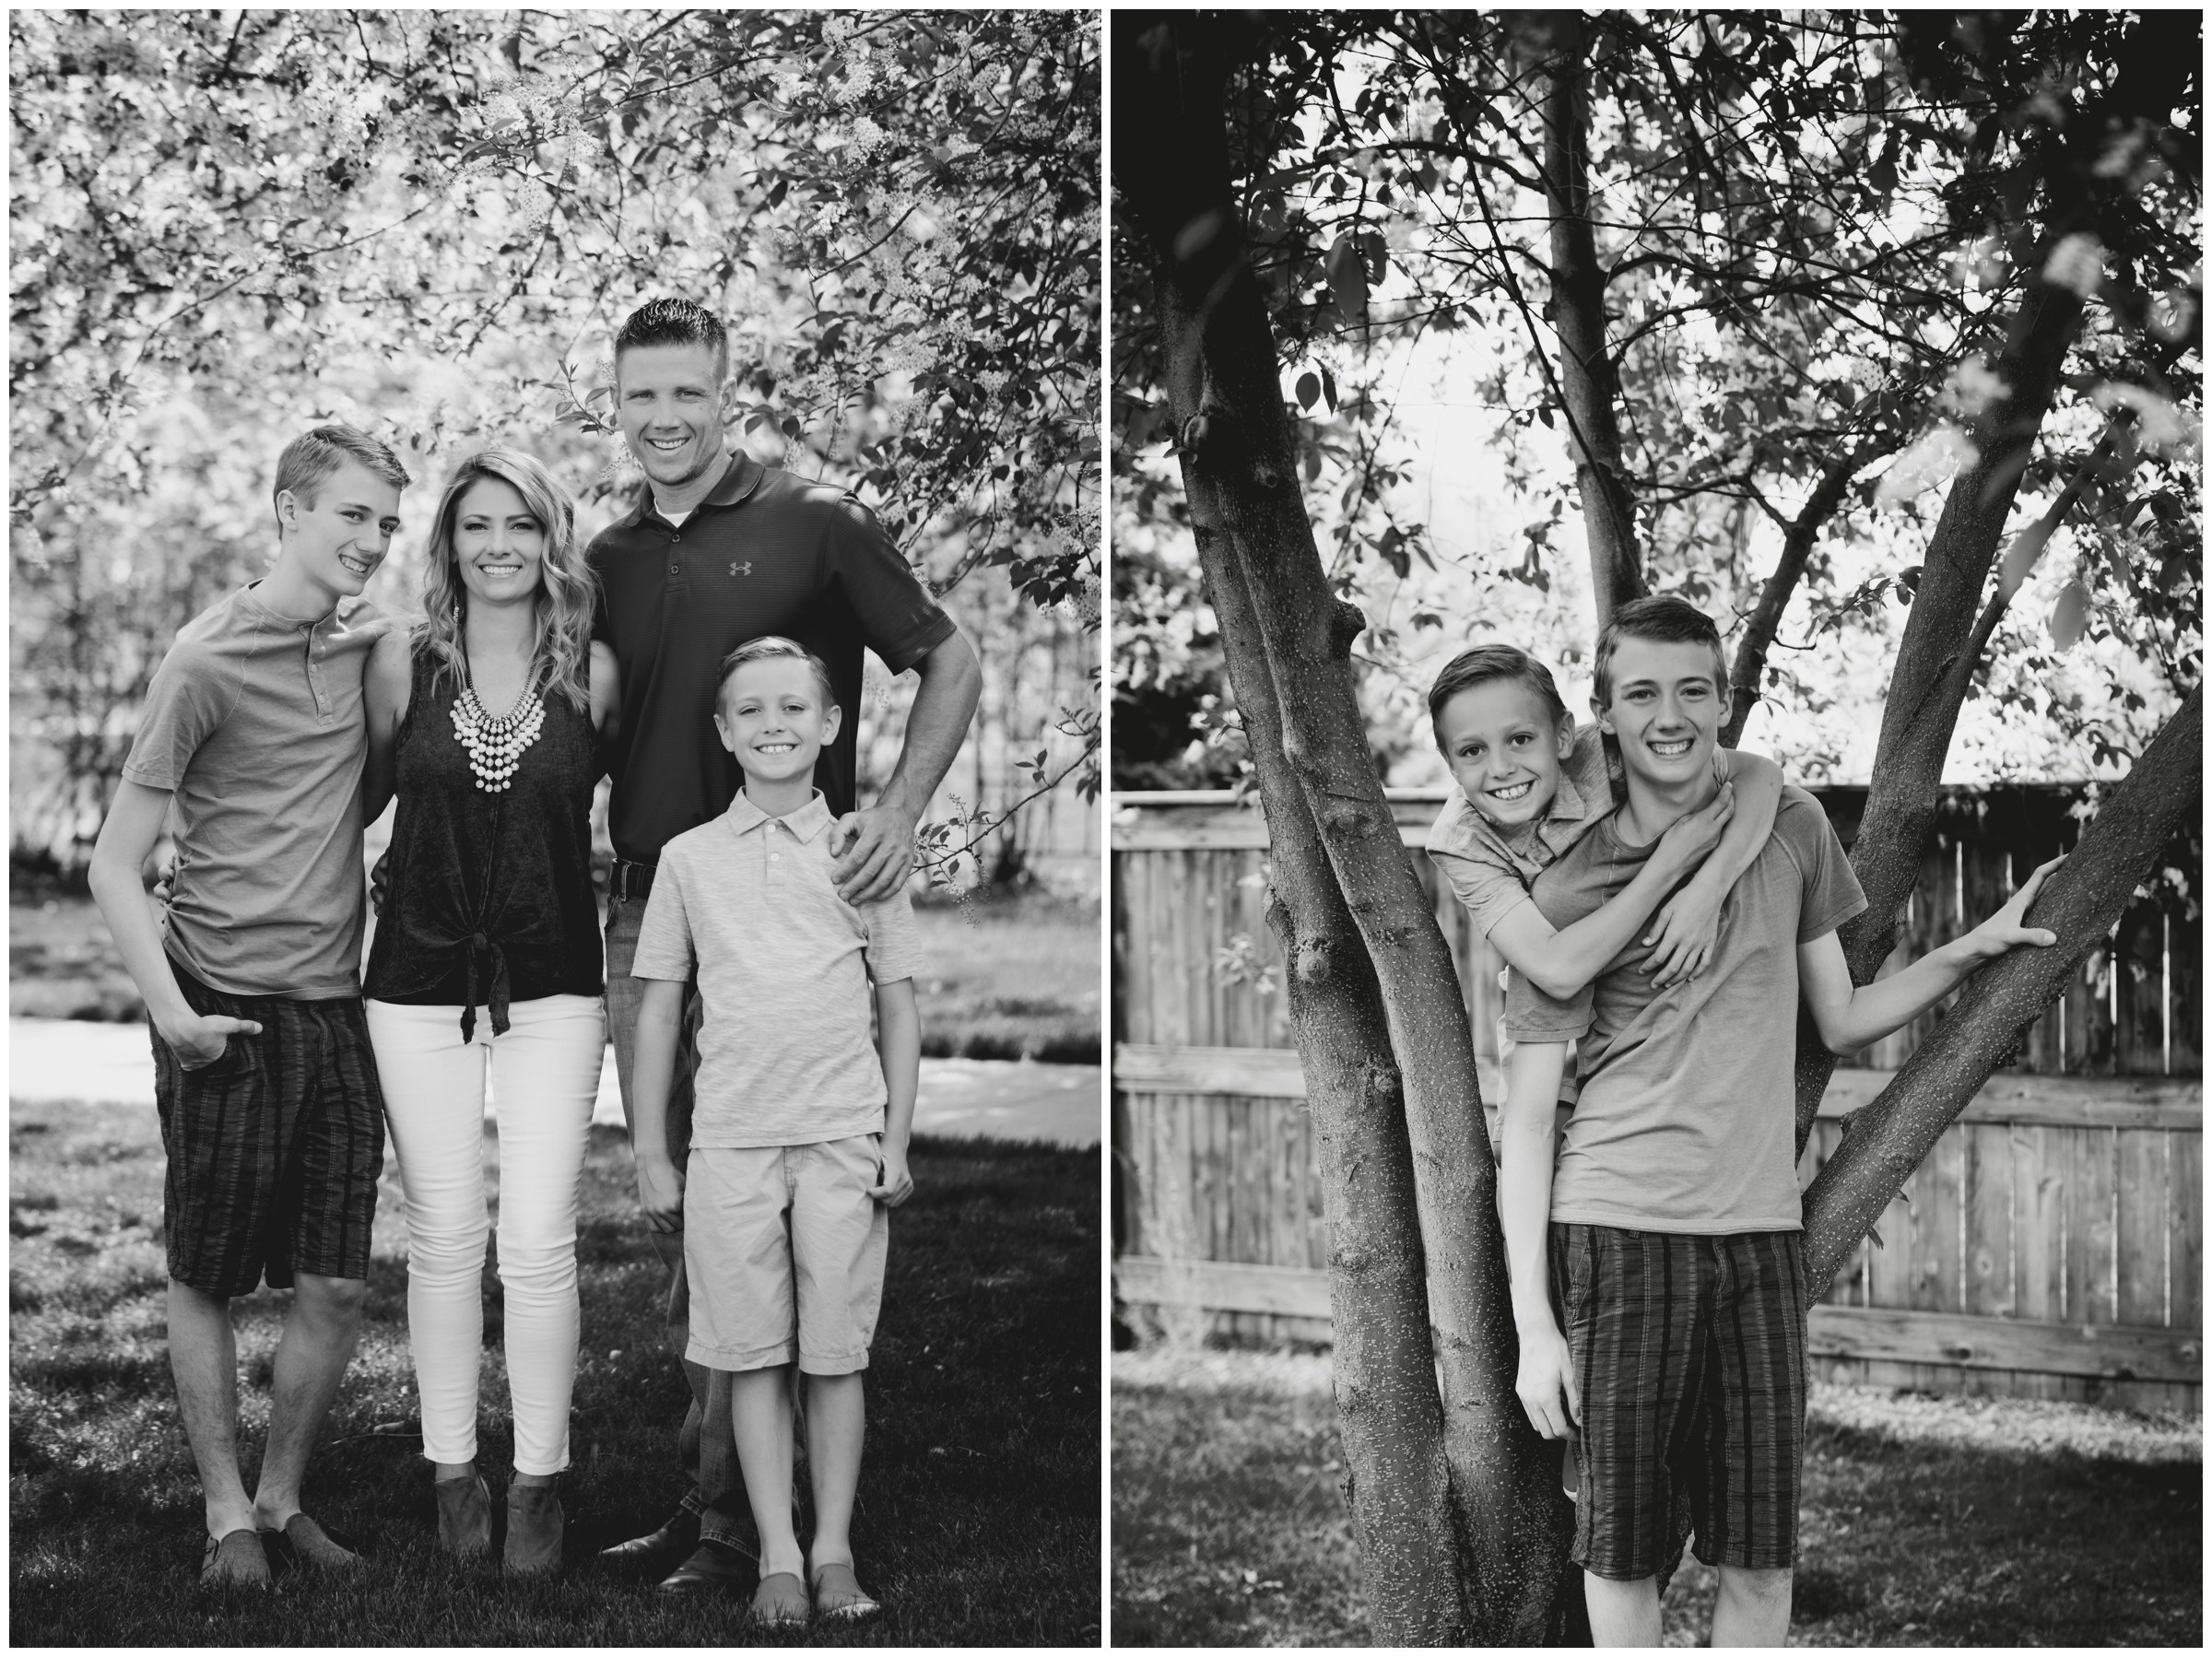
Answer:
(881, 850)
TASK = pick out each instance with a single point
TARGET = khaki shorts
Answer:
(785, 1250)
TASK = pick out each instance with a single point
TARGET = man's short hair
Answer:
(1488, 662)
(769, 647)
(674, 322)
(1662, 619)
(308, 459)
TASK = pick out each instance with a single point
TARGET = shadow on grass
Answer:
(1229, 1529)
(976, 1523)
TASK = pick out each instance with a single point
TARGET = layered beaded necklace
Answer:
(495, 747)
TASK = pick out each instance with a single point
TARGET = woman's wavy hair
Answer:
(567, 589)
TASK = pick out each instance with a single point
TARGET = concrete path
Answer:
(960, 1098)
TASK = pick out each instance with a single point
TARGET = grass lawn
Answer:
(1007, 978)
(1927, 1521)
(978, 1521)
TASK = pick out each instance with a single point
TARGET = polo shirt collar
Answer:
(252, 600)
(739, 478)
(809, 821)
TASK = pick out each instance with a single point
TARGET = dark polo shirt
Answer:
(767, 552)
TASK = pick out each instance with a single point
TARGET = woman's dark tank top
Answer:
(488, 897)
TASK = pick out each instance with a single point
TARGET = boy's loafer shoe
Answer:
(838, 1595)
(713, 1567)
(463, 1517)
(236, 1561)
(781, 1601)
(305, 1544)
(655, 1549)
(534, 1523)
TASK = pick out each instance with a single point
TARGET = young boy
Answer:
(799, 1133)
(1530, 785)
(267, 1091)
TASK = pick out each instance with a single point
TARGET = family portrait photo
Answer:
(556, 770)
(1656, 802)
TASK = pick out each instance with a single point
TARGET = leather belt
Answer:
(630, 881)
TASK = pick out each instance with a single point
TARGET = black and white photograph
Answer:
(1655, 828)
(555, 761)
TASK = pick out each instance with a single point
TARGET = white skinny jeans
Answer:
(545, 1074)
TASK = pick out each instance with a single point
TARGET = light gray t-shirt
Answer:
(1687, 1116)
(253, 722)
(783, 965)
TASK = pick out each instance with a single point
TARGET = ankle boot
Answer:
(465, 1516)
(534, 1528)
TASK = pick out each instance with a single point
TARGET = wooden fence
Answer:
(2051, 1245)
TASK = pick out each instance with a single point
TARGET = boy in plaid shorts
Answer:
(267, 1090)
(1666, 1240)
(799, 1128)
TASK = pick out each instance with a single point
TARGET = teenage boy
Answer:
(721, 550)
(1673, 1213)
(263, 1074)
(798, 1138)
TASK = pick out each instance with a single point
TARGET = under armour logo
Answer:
(741, 570)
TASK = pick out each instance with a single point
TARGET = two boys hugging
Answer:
(1650, 1202)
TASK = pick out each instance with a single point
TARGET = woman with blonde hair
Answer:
(485, 720)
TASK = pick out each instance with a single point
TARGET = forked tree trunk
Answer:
(1171, 167)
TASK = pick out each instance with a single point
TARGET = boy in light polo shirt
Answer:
(799, 1128)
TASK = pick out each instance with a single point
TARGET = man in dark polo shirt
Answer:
(721, 550)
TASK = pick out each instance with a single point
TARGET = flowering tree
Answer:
(225, 225)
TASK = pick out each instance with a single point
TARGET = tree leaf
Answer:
(1347, 279)
(1309, 389)
(2070, 616)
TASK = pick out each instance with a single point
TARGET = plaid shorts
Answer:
(1689, 1354)
(274, 1150)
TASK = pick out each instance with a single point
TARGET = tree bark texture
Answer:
(1318, 772)
(1588, 385)
(2081, 902)
(1390, 1419)
(1934, 660)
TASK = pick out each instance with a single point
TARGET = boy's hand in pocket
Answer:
(893, 1184)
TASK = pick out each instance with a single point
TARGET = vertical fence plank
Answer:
(1936, 1192)
(2039, 1202)
(2090, 1175)
(2141, 1241)
(1934, 920)
(2088, 1015)
(2184, 988)
(1889, 1250)
(1984, 885)
(1989, 1290)
(2185, 1214)
(2139, 1032)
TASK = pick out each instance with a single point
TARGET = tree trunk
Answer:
(1936, 662)
(1509, 1523)
(2081, 902)
(1588, 385)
